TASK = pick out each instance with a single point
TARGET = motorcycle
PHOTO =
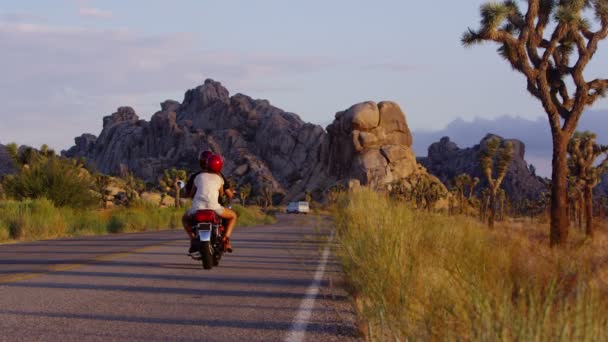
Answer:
(209, 232)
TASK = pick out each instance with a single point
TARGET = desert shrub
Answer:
(116, 224)
(58, 180)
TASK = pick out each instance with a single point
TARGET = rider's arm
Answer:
(191, 193)
(226, 188)
(228, 192)
(190, 189)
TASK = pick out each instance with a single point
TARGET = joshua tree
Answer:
(493, 154)
(583, 152)
(575, 200)
(244, 193)
(308, 196)
(553, 64)
(502, 201)
(101, 185)
(334, 192)
(434, 192)
(133, 186)
(484, 205)
(169, 183)
(267, 193)
(26, 156)
(461, 182)
(465, 187)
(424, 191)
(452, 201)
(46, 151)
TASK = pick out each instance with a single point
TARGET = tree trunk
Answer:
(177, 199)
(559, 191)
(492, 209)
(580, 211)
(588, 211)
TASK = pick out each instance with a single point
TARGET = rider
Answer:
(206, 187)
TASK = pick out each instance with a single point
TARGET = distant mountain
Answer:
(534, 134)
(446, 160)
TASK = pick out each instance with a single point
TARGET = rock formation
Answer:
(260, 143)
(6, 163)
(446, 160)
(369, 143)
(601, 189)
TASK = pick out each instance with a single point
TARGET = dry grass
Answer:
(426, 276)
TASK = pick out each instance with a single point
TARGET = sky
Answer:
(64, 64)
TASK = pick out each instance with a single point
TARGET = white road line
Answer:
(300, 322)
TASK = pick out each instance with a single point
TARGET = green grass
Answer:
(420, 276)
(41, 219)
(251, 216)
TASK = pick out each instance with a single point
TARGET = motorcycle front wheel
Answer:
(206, 255)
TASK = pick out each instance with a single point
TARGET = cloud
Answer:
(534, 133)
(95, 13)
(58, 81)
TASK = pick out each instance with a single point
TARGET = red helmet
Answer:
(203, 157)
(215, 163)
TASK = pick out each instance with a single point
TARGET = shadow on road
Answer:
(164, 290)
(210, 323)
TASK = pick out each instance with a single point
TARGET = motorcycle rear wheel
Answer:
(206, 255)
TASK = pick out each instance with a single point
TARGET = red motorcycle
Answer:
(209, 232)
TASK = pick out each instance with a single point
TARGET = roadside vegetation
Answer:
(51, 197)
(428, 276)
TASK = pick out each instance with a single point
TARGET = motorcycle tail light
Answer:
(204, 216)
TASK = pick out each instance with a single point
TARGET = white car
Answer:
(298, 207)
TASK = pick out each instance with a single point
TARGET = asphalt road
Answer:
(278, 285)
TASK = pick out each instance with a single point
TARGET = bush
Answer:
(32, 219)
(59, 180)
(116, 225)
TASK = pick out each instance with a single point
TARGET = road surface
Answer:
(278, 285)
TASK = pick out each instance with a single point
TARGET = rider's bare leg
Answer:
(187, 227)
(230, 216)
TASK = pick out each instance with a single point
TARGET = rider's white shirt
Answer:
(207, 191)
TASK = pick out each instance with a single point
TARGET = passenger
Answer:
(206, 188)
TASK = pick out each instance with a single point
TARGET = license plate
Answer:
(204, 232)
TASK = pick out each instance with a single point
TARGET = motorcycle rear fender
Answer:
(204, 231)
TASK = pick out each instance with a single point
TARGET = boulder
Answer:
(363, 116)
(364, 149)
